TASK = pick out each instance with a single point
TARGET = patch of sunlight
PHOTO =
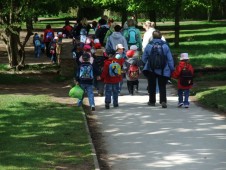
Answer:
(219, 127)
(172, 160)
(24, 136)
(158, 132)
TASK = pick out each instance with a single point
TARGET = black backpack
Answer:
(157, 59)
(186, 77)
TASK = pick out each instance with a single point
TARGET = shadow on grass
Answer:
(38, 134)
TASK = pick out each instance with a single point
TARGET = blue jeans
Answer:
(111, 90)
(183, 96)
(37, 51)
(100, 86)
(88, 88)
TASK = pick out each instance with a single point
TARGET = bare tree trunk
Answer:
(177, 22)
(152, 16)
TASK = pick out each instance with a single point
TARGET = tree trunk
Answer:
(177, 22)
(124, 16)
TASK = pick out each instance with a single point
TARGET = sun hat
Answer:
(96, 41)
(99, 52)
(130, 53)
(184, 56)
(119, 46)
(133, 47)
(87, 47)
(97, 46)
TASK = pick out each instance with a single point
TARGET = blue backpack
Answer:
(49, 36)
(132, 36)
(86, 72)
(114, 69)
(37, 43)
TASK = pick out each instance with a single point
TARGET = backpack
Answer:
(86, 72)
(102, 33)
(83, 31)
(132, 36)
(186, 77)
(157, 59)
(114, 69)
(52, 48)
(49, 36)
(133, 72)
(37, 43)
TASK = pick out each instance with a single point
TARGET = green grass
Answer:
(14, 79)
(213, 98)
(39, 134)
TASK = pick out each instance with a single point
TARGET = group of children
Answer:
(104, 71)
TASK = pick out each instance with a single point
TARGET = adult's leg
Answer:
(162, 81)
(152, 88)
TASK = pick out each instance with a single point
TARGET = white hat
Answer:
(133, 47)
(55, 37)
(119, 46)
(96, 41)
(184, 56)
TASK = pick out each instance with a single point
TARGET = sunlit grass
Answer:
(37, 133)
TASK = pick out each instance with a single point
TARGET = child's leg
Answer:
(80, 101)
(136, 84)
(129, 86)
(108, 93)
(115, 88)
(89, 89)
(186, 97)
(180, 97)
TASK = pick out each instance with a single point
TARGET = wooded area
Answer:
(15, 13)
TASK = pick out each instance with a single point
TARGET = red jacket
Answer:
(105, 74)
(176, 73)
(45, 32)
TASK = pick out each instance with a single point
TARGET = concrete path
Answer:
(141, 137)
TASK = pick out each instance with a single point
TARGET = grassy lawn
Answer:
(39, 134)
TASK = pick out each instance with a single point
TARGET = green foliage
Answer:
(36, 134)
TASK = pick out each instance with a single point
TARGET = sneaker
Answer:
(93, 108)
(164, 105)
(79, 103)
(136, 90)
(186, 106)
(107, 106)
(151, 104)
(180, 104)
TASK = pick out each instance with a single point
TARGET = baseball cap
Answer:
(184, 56)
(133, 47)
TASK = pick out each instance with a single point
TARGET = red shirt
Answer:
(176, 73)
(105, 74)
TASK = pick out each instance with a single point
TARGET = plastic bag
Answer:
(76, 92)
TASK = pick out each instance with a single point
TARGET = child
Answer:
(131, 67)
(37, 45)
(184, 81)
(59, 46)
(42, 43)
(99, 59)
(85, 74)
(52, 48)
(111, 75)
(120, 54)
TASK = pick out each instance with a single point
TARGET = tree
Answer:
(14, 13)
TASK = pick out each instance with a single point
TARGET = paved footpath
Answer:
(141, 137)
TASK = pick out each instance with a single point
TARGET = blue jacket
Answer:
(169, 68)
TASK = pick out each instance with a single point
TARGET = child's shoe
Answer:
(180, 104)
(93, 108)
(116, 105)
(79, 103)
(186, 106)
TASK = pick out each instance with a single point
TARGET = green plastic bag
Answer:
(76, 92)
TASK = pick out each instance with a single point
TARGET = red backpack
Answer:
(133, 72)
